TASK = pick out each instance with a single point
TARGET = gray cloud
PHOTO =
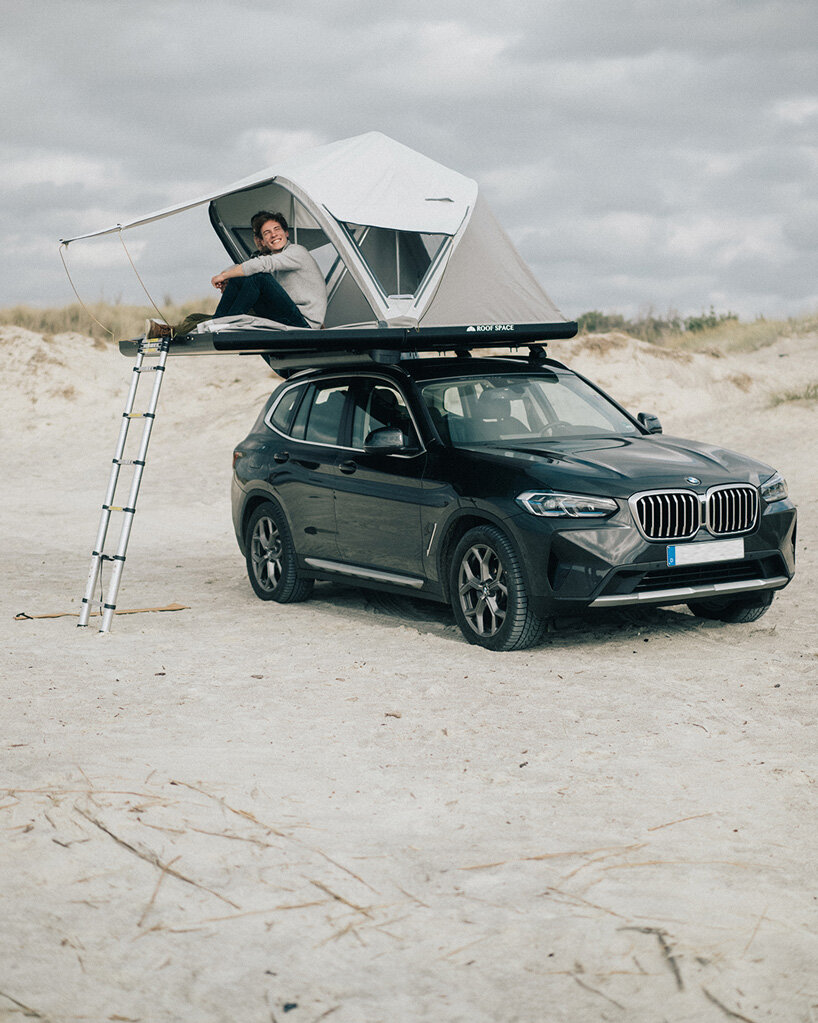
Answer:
(639, 154)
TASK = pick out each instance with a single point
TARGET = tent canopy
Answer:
(402, 240)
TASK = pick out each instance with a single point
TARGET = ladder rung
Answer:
(107, 557)
(128, 461)
(114, 507)
(97, 603)
(138, 415)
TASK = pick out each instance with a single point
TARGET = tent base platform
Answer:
(381, 344)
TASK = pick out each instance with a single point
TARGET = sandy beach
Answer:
(339, 810)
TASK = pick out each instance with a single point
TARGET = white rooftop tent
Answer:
(403, 241)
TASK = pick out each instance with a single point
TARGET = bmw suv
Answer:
(512, 488)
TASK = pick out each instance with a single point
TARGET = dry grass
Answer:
(733, 337)
(809, 392)
(743, 381)
(127, 321)
(121, 321)
(725, 337)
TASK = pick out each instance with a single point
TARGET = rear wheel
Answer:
(271, 559)
(737, 610)
(488, 592)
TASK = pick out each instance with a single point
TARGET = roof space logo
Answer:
(484, 328)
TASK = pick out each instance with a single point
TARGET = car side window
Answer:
(378, 405)
(319, 416)
(282, 413)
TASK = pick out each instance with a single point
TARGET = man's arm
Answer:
(221, 279)
(293, 257)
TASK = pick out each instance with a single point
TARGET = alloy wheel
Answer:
(266, 553)
(483, 589)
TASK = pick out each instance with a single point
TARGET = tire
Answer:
(736, 610)
(488, 592)
(271, 558)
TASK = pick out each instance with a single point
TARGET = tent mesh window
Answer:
(398, 260)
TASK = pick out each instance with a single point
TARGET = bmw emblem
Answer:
(692, 480)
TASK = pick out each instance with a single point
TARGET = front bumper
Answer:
(610, 564)
(682, 594)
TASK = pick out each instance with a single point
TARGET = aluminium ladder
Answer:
(153, 347)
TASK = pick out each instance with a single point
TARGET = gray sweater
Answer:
(299, 275)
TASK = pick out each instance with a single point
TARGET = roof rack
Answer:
(299, 348)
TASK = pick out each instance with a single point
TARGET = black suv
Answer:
(511, 487)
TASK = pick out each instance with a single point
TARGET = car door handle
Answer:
(281, 457)
(348, 467)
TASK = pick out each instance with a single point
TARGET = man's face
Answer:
(273, 236)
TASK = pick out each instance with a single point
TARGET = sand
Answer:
(340, 810)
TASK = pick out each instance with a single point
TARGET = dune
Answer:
(339, 810)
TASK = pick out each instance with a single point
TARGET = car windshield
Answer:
(503, 409)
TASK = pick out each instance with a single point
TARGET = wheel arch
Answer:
(455, 530)
(254, 499)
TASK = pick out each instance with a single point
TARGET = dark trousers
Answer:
(262, 295)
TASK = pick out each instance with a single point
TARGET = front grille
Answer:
(732, 509)
(678, 514)
(668, 516)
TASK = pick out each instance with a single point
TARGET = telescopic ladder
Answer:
(148, 348)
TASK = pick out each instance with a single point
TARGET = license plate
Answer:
(704, 553)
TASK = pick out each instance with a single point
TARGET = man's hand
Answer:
(221, 279)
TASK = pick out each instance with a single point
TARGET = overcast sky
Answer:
(640, 153)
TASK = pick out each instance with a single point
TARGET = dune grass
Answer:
(715, 333)
(121, 321)
(809, 392)
(734, 337)
(718, 334)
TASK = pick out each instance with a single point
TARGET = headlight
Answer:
(574, 506)
(775, 489)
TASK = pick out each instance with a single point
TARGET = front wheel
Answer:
(271, 559)
(488, 593)
(736, 610)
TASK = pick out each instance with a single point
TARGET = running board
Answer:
(364, 573)
(682, 594)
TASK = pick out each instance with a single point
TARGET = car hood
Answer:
(626, 465)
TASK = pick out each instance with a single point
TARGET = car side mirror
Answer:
(388, 440)
(650, 422)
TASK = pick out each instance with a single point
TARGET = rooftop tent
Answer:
(402, 240)
(389, 226)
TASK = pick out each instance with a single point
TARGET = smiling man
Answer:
(284, 283)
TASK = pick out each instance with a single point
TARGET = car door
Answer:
(304, 468)
(378, 496)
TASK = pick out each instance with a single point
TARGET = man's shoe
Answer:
(157, 328)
